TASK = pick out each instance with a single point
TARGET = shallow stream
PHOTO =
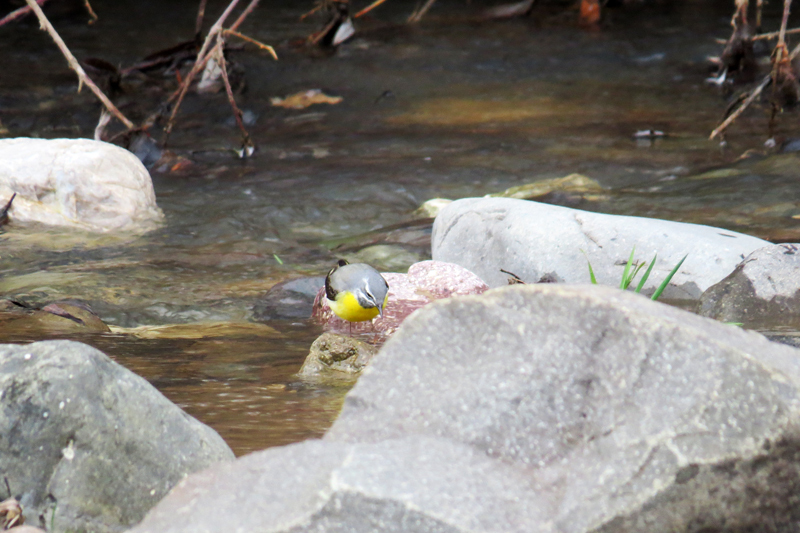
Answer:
(453, 107)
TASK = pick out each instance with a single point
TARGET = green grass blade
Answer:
(591, 271)
(646, 275)
(626, 280)
(666, 281)
(278, 259)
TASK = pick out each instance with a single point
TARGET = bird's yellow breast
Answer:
(346, 306)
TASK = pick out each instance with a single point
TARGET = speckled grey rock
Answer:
(89, 445)
(545, 242)
(534, 408)
(763, 291)
(335, 355)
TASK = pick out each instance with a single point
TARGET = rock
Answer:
(763, 290)
(546, 242)
(67, 316)
(337, 354)
(80, 183)
(575, 184)
(431, 208)
(288, 300)
(425, 282)
(88, 444)
(534, 408)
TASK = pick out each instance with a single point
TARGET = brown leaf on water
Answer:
(305, 99)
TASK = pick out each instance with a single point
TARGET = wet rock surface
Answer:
(87, 444)
(289, 300)
(80, 183)
(545, 408)
(424, 283)
(763, 290)
(333, 354)
(59, 317)
(541, 242)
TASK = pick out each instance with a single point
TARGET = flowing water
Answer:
(453, 107)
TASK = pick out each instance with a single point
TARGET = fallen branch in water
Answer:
(74, 65)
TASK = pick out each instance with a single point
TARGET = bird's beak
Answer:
(380, 311)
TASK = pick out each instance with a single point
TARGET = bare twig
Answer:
(219, 56)
(244, 37)
(750, 99)
(369, 8)
(249, 9)
(759, 7)
(201, 13)
(774, 34)
(92, 15)
(17, 13)
(787, 4)
(73, 63)
(417, 15)
(199, 64)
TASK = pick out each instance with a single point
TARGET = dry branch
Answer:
(417, 15)
(17, 13)
(750, 99)
(73, 63)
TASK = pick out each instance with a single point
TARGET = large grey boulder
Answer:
(89, 445)
(763, 291)
(534, 408)
(545, 242)
(79, 183)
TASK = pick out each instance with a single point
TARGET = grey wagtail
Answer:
(356, 292)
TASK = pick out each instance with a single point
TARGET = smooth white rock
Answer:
(81, 183)
(540, 242)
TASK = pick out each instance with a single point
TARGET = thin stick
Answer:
(17, 13)
(219, 56)
(749, 100)
(787, 4)
(416, 16)
(369, 8)
(91, 12)
(201, 13)
(73, 63)
(199, 64)
(244, 37)
(249, 9)
(774, 34)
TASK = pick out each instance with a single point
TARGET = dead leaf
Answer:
(305, 99)
(11, 513)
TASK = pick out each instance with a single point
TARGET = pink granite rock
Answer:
(425, 282)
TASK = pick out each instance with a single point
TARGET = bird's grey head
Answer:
(373, 293)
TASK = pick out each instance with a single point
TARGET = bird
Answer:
(356, 292)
